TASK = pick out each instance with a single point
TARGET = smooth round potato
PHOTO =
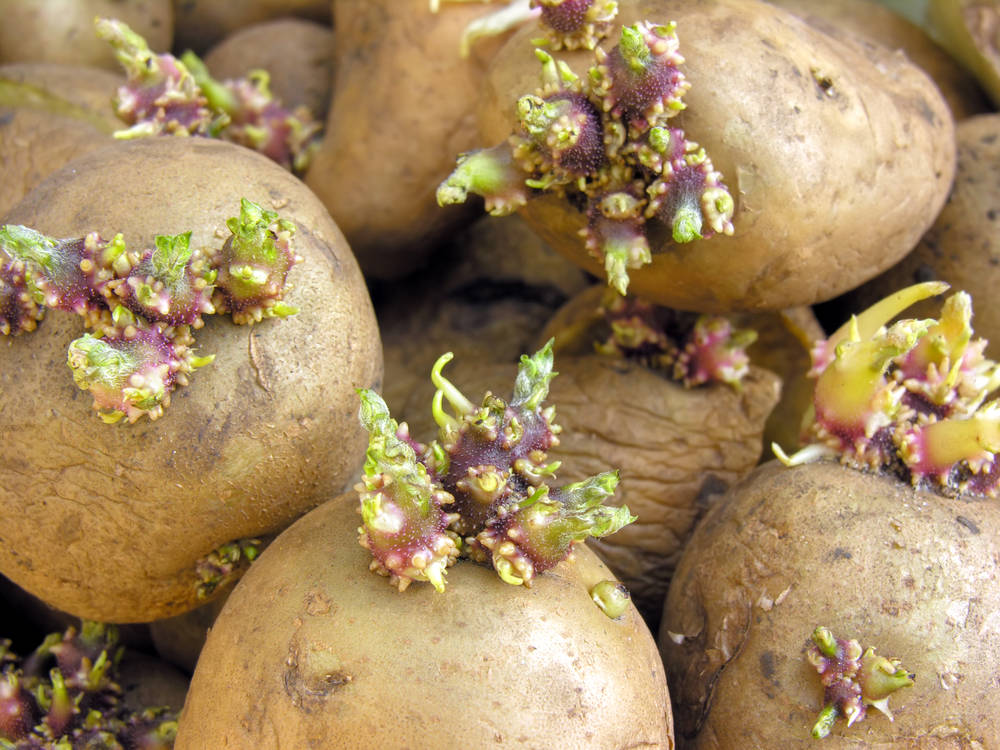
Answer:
(401, 110)
(837, 161)
(296, 53)
(911, 573)
(50, 113)
(63, 32)
(312, 650)
(201, 23)
(107, 521)
(963, 246)
(866, 21)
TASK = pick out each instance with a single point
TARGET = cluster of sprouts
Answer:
(852, 679)
(64, 696)
(141, 307)
(603, 142)
(483, 489)
(909, 397)
(688, 348)
(166, 95)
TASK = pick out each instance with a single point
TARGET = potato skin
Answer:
(201, 23)
(50, 113)
(107, 521)
(401, 111)
(63, 32)
(296, 53)
(867, 21)
(837, 162)
(314, 651)
(909, 572)
(963, 245)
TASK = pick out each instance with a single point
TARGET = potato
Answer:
(401, 110)
(866, 21)
(962, 247)
(202, 23)
(50, 113)
(63, 32)
(314, 651)
(837, 161)
(296, 53)
(911, 573)
(484, 297)
(109, 522)
(968, 29)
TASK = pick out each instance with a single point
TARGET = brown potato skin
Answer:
(50, 113)
(963, 245)
(837, 162)
(911, 573)
(314, 651)
(63, 32)
(106, 521)
(201, 23)
(866, 21)
(402, 110)
(296, 53)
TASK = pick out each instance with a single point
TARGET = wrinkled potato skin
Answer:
(912, 574)
(106, 521)
(314, 651)
(401, 113)
(963, 245)
(836, 168)
(50, 113)
(296, 53)
(63, 32)
(866, 21)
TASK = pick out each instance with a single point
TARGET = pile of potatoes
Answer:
(860, 149)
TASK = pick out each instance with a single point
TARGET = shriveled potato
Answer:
(402, 108)
(63, 32)
(837, 161)
(111, 521)
(202, 23)
(297, 54)
(312, 650)
(963, 246)
(911, 573)
(868, 21)
(50, 113)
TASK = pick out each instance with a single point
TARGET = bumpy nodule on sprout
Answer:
(253, 265)
(485, 478)
(404, 524)
(160, 94)
(575, 24)
(171, 284)
(601, 142)
(131, 367)
(19, 311)
(64, 695)
(852, 680)
(496, 451)
(62, 274)
(908, 397)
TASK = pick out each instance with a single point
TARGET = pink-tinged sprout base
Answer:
(852, 680)
(253, 266)
(907, 397)
(131, 367)
(575, 24)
